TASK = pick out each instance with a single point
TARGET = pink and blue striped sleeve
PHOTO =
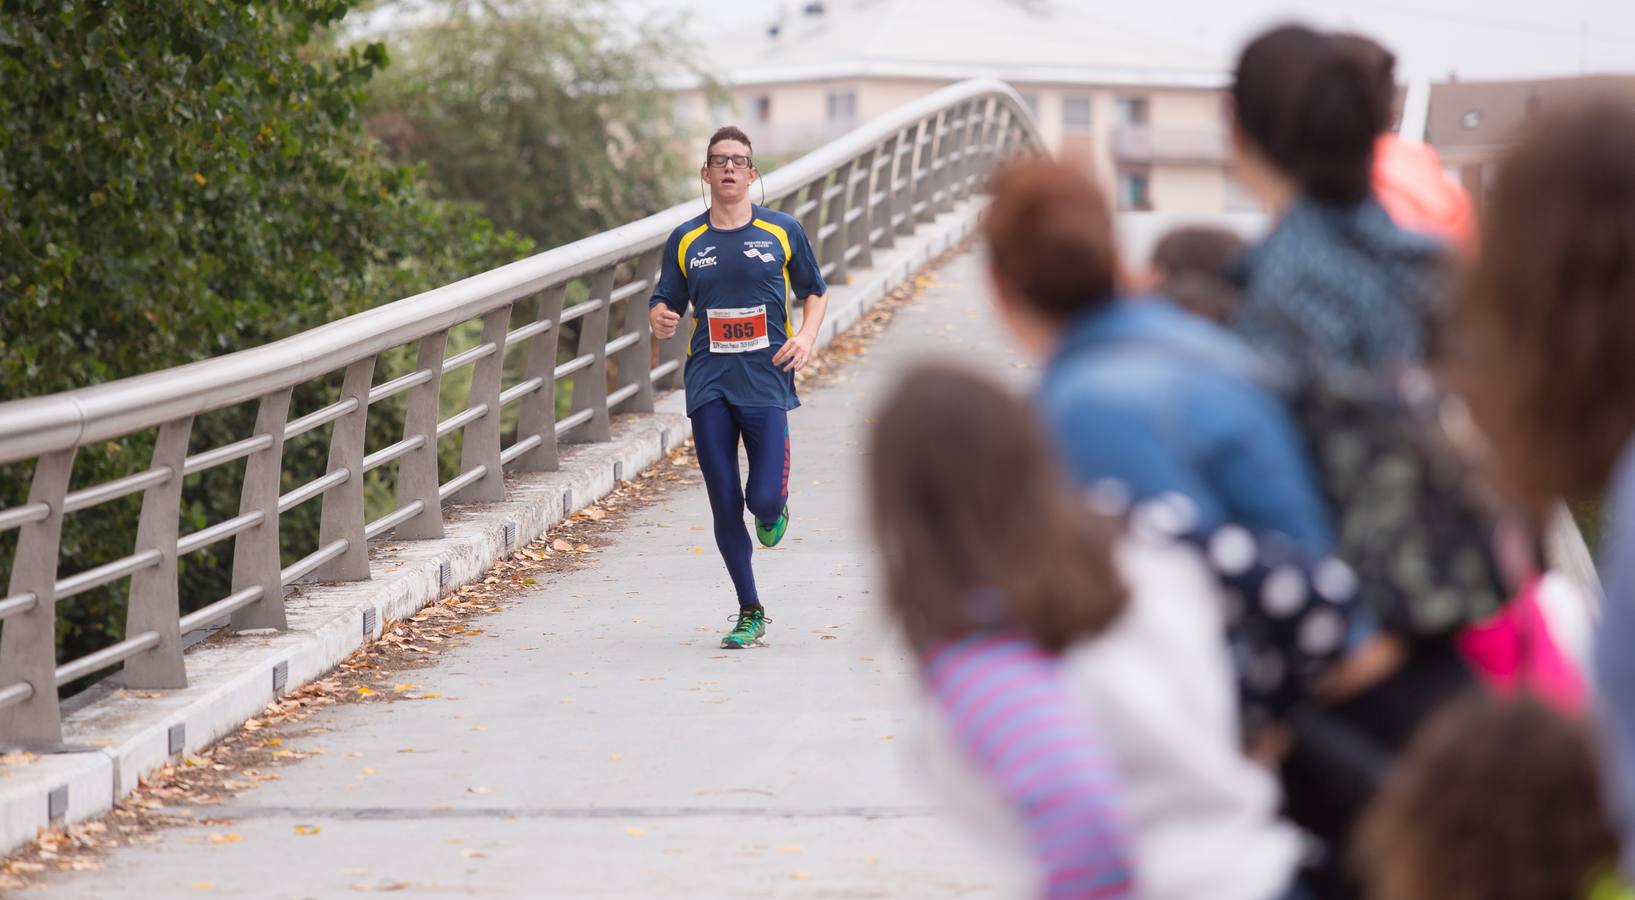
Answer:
(1005, 704)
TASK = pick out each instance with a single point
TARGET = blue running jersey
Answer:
(737, 283)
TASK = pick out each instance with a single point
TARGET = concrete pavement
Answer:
(602, 746)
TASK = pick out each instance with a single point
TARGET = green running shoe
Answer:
(770, 535)
(751, 625)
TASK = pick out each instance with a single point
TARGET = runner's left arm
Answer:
(806, 279)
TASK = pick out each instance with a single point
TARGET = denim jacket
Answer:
(1141, 392)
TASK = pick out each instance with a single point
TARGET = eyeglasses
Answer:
(719, 161)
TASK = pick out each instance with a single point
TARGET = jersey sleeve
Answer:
(672, 287)
(1005, 705)
(805, 275)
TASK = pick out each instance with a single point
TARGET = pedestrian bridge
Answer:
(600, 745)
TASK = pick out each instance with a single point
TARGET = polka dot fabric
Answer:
(1288, 614)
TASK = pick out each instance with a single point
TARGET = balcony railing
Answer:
(1157, 144)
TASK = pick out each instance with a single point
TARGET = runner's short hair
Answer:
(729, 133)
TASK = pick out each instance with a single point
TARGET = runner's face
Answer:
(728, 183)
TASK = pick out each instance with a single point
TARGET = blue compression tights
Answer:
(717, 428)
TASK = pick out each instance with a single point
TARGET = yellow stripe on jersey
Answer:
(783, 241)
(687, 241)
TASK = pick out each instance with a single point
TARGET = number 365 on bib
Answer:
(738, 330)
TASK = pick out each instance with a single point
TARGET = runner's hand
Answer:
(794, 354)
(664, 321)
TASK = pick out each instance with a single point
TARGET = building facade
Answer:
(1144, 116)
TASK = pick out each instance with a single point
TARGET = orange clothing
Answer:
(1410, 184)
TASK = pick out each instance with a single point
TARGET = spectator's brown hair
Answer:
(1495, 799)
(1050, 238)
(978, 525)
(1196, 266)
(1545, 323)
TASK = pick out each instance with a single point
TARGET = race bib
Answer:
(738, 330)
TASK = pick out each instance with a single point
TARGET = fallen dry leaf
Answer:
(634, 832)
(473, 854)
(306, 830)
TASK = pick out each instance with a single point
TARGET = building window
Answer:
(1075, 114)
(1134, 190)
(1132, 110)
(761, 108)
(1473, 118)
(1032, 102)
(842, 106)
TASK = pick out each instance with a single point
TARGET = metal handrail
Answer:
(856, 195)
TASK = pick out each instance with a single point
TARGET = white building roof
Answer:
(1037, 41)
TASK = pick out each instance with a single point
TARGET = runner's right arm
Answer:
(670, 298)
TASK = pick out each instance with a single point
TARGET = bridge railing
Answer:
(855, 196)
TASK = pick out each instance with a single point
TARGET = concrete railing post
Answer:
(417, 476)
(884, 188)
(342, 516)
(480, 444)
(536, 413)
(590, 384)
(924, 171)
(28, 640)
(838, 192)
(634, 362)
(861, 234)
(256, 552)
(155, 602)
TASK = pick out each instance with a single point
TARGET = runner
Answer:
(735, 264)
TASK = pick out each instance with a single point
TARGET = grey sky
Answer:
(1482, 39)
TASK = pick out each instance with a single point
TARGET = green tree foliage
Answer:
(179, 179)
(549, 115)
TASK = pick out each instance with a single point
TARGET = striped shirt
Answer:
(1004, 703)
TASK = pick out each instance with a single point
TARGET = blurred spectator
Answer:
(1140, 392)
(993, 569)
(1496, 799)
(1336, 284)
(1546, 343)
(1196, 268)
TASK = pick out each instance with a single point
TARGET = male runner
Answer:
(734, 265)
